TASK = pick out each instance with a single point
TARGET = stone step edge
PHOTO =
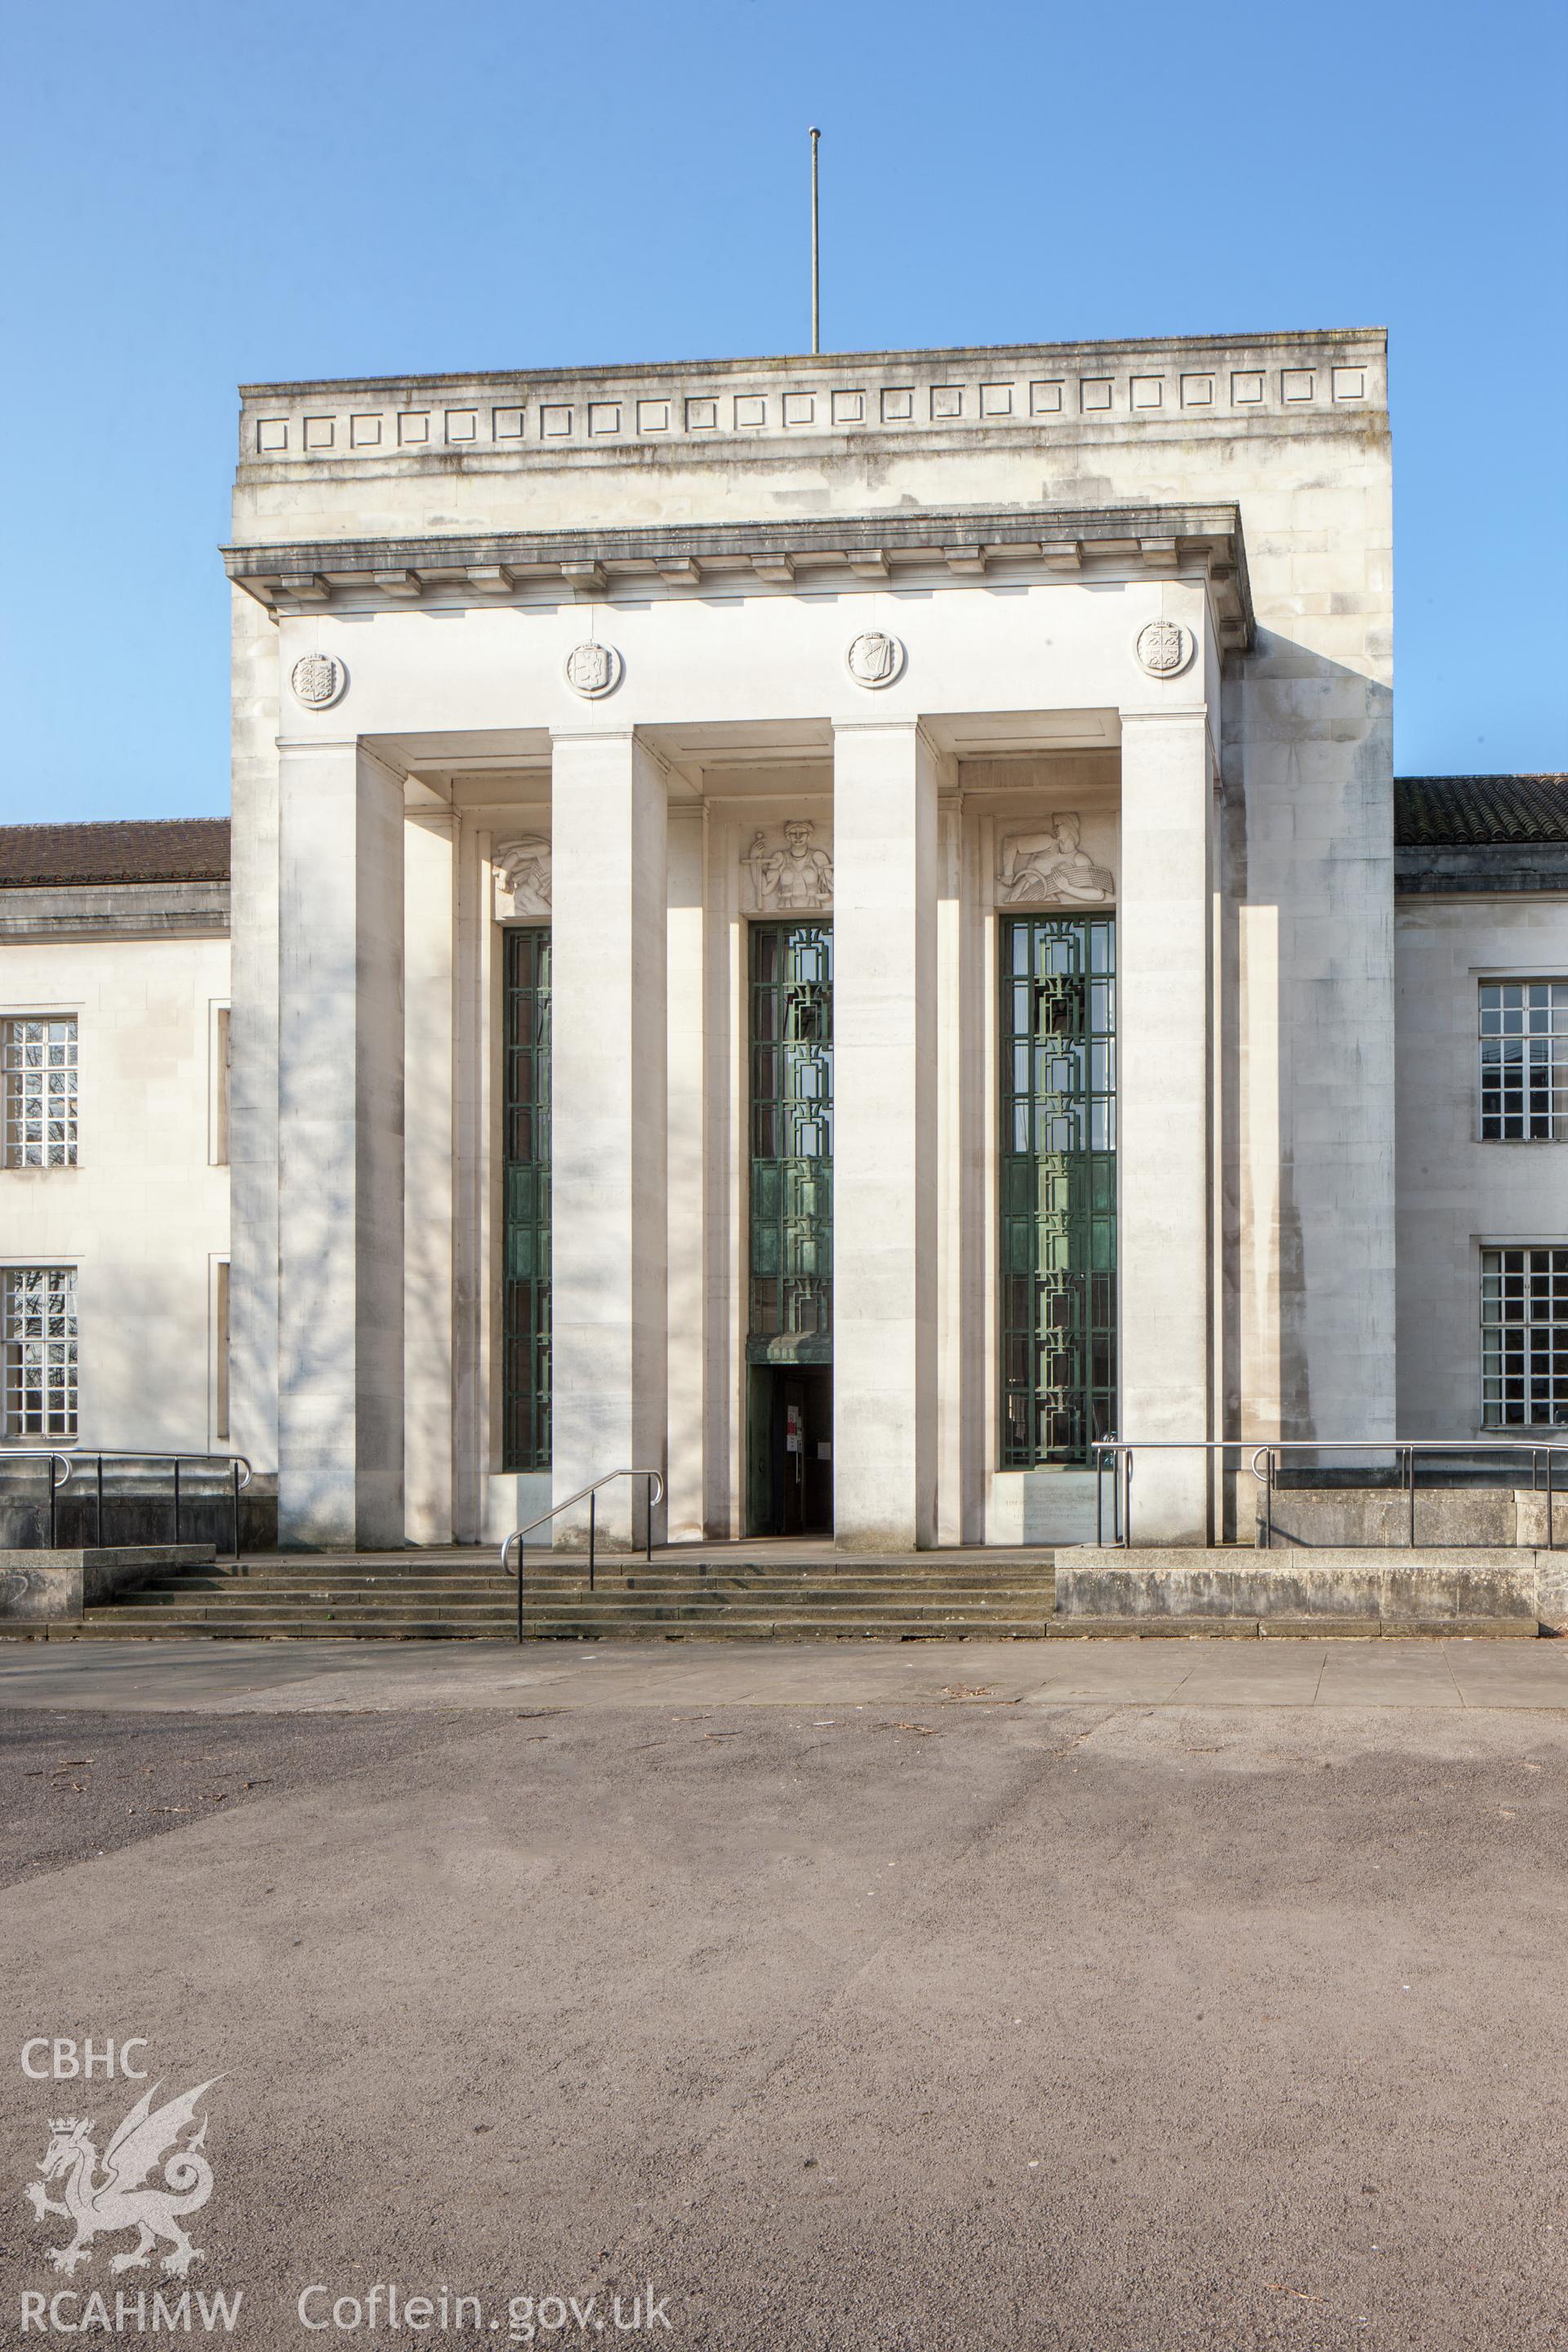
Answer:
(764, 1632)
(1295, 1629)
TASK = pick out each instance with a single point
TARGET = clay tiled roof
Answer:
(1479, 812)
(170, 850)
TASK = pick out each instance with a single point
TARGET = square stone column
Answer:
(608, 1115)
(885, 1138)
(1164, 1114)
(429, 1172)
(686, 1511)
(340, 1105)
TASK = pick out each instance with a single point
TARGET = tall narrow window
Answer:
(222, 1063)
(791, 1301)
(37, 1073)
(1057, 1163)
(1524, 1061)
(38, 1351)
(525, 1316)
(220, 1349)
(1524, 1338)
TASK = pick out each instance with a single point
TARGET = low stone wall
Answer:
(1356, 1585)
(135, 1521)
(41, 1587)
(1486, 1517)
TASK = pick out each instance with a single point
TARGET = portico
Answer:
(745, 915)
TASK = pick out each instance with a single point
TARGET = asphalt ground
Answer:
(939, 2015)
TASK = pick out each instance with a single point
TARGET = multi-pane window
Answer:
(791, 1301)
(1524, 1338)
(1057, 1164)
(525, 1284)
(37, 1351)
(37, 1073)
(1524, 1061)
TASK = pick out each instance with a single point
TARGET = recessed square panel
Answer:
(1246, 388)
(365, 432)
(507, 423)
(319, 432)
(1045, 399)
(271, 434)
(1295, 383)
(1197, 392)
(1350, 383)
(850, 408)
(413, 427)
(996, 399)
(554, 423)
(462, 424)
(898, 404)
(653, 416)
(750, 410)
(1094, 392)
(799, 408)
(1148, 391)
(947, 400)
(604, 417)
(702, 416)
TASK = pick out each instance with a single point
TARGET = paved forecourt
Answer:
(1164, 1995)
(305, 1677)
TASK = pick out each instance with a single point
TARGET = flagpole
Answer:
(816, 253)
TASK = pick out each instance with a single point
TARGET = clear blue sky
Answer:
(202, 192)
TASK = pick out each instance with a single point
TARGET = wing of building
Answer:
(841, 929)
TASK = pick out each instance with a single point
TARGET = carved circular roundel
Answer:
(874, 658)
(319, 680)
(1163, 649)
(592, 670)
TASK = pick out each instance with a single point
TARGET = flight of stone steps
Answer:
(734, 1592)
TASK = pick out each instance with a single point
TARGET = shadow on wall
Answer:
(1307, 948)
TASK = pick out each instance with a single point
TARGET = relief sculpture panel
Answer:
(1051, 867)
(790, 875)
(521, 871)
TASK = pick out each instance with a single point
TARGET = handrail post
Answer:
(52, 1491)
(1099, 1500)
(1550, 1543)
(651, 1518)
(176, 1502)
(591, 1500)
(521, 1559)
(1410, 1464)
(234, 1469)
(1269, 1500)
(1127, 1510)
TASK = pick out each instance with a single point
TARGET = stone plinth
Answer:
(1157, 1589)
(38, 1587)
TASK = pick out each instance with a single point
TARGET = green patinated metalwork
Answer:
(790, 1314)
(525, 1097)
(1058, 1187)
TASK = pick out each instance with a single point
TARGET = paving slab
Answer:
(323, 1678)
(1392, 1674)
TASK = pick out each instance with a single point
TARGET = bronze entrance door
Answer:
(791, 1450)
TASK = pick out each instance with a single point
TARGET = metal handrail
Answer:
(585, 1494)
(1121, 1451)
(238, 1467)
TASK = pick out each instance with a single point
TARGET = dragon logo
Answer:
(125, 2197)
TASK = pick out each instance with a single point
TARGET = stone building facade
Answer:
(829, 926)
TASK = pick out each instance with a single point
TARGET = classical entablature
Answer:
(950, 546)
(737, 410)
